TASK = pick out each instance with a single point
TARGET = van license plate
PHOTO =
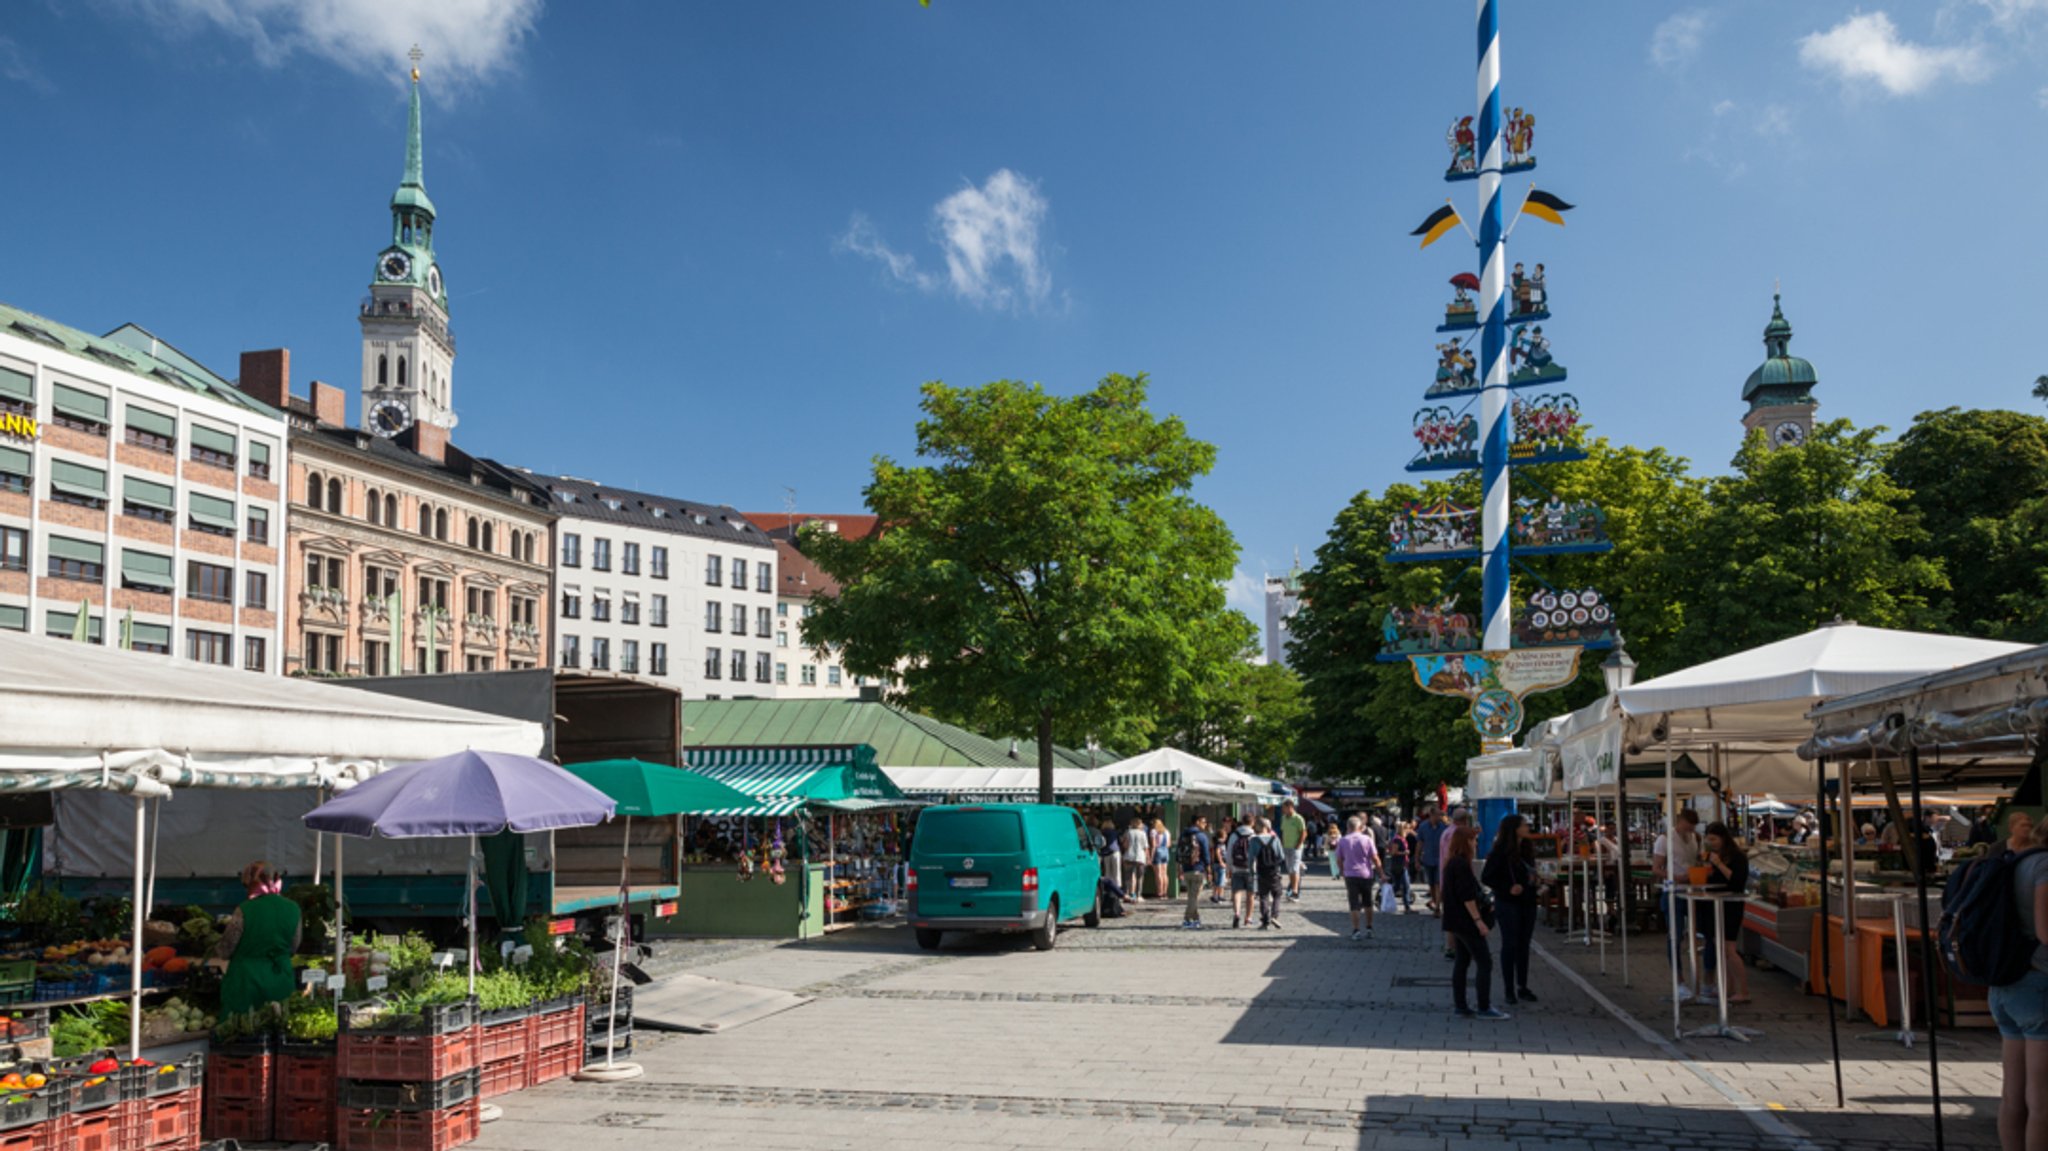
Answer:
(969, 881)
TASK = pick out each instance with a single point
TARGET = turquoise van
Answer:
(1001, 867)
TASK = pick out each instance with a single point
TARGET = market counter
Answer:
(715, 903)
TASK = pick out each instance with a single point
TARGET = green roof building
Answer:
(1780, 391)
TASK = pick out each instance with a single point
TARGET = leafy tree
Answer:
(1978, 481)
(1800, 536)
(1047, 574)
(1250, 722)
(2041, 388)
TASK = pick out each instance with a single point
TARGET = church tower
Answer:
(1780, 391)
(408, 349)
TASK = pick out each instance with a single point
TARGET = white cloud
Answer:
(1677, 40)
(17, 67)
(2009, 12)
(2041, 98)
(1867, 47)
(990, 237)
(462, 41)
(1247, 593)
(1774, 120)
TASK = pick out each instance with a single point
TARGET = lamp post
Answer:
(1620, 671)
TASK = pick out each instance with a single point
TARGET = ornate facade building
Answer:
(1780, 391)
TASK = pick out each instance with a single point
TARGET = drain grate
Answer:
(621, 1119)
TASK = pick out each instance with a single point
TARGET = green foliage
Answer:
(88, 1027)
(309, 1018)
(47, 916)
(1046, 574)
(1250, 721)
(1979, 483)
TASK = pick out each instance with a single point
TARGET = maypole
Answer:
(1493, 399)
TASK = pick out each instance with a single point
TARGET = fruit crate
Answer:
(405, 1130)
(23, 1023)
(372, 1095)
(166, 1119)
(505, 1039)
(149, 1082)
(375, 1016)
(89, 1093)
(558, 1028)
(408, 1058)
(241, 1078)
(304, 1074)
(34, 1138)
(503, 1015)
(23, 1108)
(303, 1122)
(91, 1131)
(502, 1077)
(243, 1120)
(554, 1063)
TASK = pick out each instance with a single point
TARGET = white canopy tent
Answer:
(1202, 781)
(974, 784)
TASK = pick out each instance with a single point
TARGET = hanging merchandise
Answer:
(775, 857)
(746, 855)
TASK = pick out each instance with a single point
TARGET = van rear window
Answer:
(969, 833)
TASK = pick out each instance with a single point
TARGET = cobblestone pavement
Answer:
(1141, 1035)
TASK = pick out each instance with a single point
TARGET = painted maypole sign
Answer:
(1496, 410)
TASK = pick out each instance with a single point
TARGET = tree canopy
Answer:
(1046, 574)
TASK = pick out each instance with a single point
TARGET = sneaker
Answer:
(1356, 936)
(1462, 1012)
(1526, 995)
(1236, 922)
(1493, 1013)
(1368, 933)
(1194, 925)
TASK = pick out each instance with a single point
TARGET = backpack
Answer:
(1982, 937)
(1185, 854)
(1240, 852)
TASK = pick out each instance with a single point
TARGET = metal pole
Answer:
(1493, 397)
(340, 934)
(1623, 879)
(1827, 975)
(1670, 891)
(1928, 970)
(1845, 834)
(156, 832)
(469, 871)
(135, 948)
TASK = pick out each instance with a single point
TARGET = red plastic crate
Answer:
(34, 1137)
(302, 1078)
(406, 1131)
(558, 1029)
(406, 1058)
(242, 1078)
(89, 1131)
(239, 1119)
(165, 1119)
(303, 1122)
(554, 1063)
(512, 1039)
(500, 1078)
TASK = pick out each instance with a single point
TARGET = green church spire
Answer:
(412, 190)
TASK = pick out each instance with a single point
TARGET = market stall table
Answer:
(1871, 994)
(1694, 896)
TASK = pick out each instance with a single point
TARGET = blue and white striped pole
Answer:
(1493, 398)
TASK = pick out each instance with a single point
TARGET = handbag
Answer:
(1485, 902)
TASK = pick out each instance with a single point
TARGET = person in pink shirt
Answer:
(1358, 859)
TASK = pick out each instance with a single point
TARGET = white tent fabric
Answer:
(70, 711)
(1523, 773)
(1202, 780)
(1588, 745)
(1017, 782)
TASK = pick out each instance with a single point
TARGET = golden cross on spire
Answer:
(414, 56)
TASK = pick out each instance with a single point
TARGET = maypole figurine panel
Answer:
(1529, 359)
(1560, 527)
(1518, 143)
(1528, 294)
(1528, 301)
(1446, 530)
(1545, 431)
(1442, 530)
(1422, 629)
(1579, 617)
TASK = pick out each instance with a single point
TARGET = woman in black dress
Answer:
(1465, 922)
(1511, 875)
(1728, 870)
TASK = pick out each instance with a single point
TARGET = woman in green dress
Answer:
(258, 944)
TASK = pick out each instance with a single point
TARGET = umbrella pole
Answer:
(135, 948)
(340, 934)
(156, 831)
(1927, 968)
(610, 1069)
(1621, 875)
(469, 870)
(1671, 905)
(1827, 975)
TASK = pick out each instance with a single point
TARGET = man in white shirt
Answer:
(1671, 857)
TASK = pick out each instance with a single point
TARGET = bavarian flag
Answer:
(1440, 221)
(1545, 206)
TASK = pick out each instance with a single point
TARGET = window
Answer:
(629, 656)
(376, 657)
(259, 468)
(472, 531)
(257, 526)
(213, 446)
(572, 605)
(433, 593)
(522, 609)
(781, 638)
(764, 576)
(762, 664)
(809, 611)
(739, 619)
(629, 558)
(711, 571)
(211, 515)
(782, 673)
(600, 653)
(657, 562)
(13, 549)
(657, 659)
(253, 654)
(600, 608)
(490, 537)
(482, 602)
(441, 524)
(18, 395)
(832, 675)
(572, 651)
(572, 550)
(426, 520)
(379, 582)
(77, 559)
(147, 571)
(373, 507)
(322, 652)
(64, 625)
(79, 410)
(391, 511)
(217, 647)
(334, 496)
(148, 500)
(712, 616)
(12, 616)
(154, 638)
(601, 554)
(324, 573)
(14, 470)
(713, 669)
(153, 431)
(657, 611)
(782, 610)
(761, 626)
(383, 368)
(256, 589)
(77, 484)
(629, 611)
(810, 675)
(739, 666)
(479, 663)
(739, 572)
(210, 583)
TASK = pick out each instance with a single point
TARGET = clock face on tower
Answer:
(395, 266)
(1788, 434)
(389, 418)
(434, 279)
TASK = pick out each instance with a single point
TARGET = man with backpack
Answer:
(1994, 932)
(1192, 855)
(1269, 868)
(1237, 859)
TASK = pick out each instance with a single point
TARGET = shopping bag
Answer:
(1388, 902)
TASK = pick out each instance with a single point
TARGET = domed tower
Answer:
(408, 349)
(1780, 391)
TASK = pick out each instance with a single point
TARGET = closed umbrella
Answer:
(470, 793)
(652, 789)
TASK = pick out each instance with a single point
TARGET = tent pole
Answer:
(135, 948)
(1928, 970)
(612, 1070)
(1827, 976)
(156, 831)
(1670, 890)
(1622, 878)
(319, 838)
(1845, 835)
(1596, 880)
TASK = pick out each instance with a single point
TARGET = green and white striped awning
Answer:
(771, 806)
(837, 778)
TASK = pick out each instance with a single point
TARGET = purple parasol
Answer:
(468, 793)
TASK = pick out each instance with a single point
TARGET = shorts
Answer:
(2021, 1009)
(1292, 859)
(1240, 881)
(1431, 873)
(1358, 889)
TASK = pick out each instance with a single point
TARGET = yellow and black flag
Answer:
(1440, 221)
(1545, 206)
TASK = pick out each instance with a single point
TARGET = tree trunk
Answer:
(1045, 794)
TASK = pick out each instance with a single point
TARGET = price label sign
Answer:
(336, 982)
(505, 948)
(444, 959)
(313, 977)
(377, 983)
(459, 955)
(522, 954)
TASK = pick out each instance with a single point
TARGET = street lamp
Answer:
(1618, 668)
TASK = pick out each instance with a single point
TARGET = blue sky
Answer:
(712, 248)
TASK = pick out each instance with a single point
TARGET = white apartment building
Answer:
(1283, 600)
(141, 488)
(803, 672)
(662, 589)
